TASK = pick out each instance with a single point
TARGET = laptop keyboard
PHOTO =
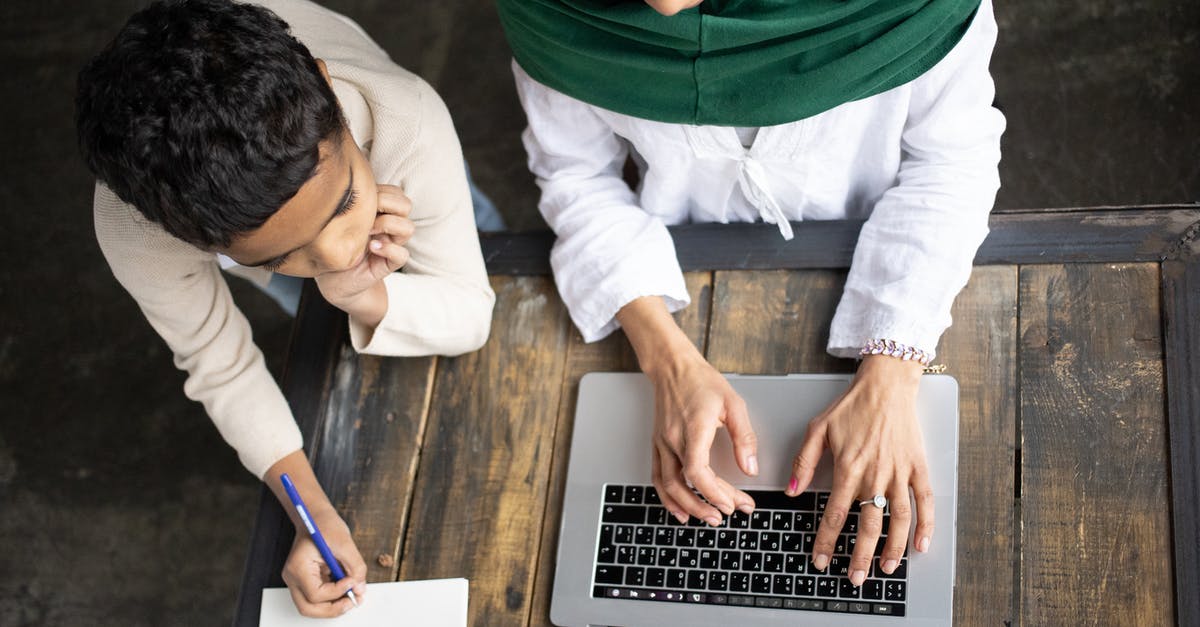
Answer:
(761, 560)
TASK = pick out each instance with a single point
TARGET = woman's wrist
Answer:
(298, 469)
(661, 346)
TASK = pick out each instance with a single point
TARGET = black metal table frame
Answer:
(1165, 234)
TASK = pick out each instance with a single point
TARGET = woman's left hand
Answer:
(873, 433)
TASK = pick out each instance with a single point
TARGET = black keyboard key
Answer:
(739, 582)
(894, 591)
(839, 566)
(689, 558)
(827, 587)
(748, 540)
(901, 571)
(887, 609)
(773, 562)
(643, 535)
(794, 564)
(650, 496)
(674, 522)
(739, 520)
(626, 554)
(760, 583)
(809, 539)
(656, 577)
(657, 516)
(606, 554)
(806, 586)
(633, 494)
(791, 542)
(872, 590)
(646, 556)
(696, 522)
(610, 574)
(768, 541)
(731, 560)
(706, 538)
(760, 520)
(676, 578)
(851, 542)
(851, 525)
(664, 536)
(635, 576)
(668, 556)
(860, 608)
(782, 521)
(839, 546)
(822, 499)
(612, 494)
(630, 514)
(807, 501)
(685, 536)
(697, 580)
(710, 558)
(846, 589)
(751, 561)
(781, 585)
(837, 606)
(624, 534)
(804, 521)
(727, 539)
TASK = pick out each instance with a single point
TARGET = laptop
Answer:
(622, 561)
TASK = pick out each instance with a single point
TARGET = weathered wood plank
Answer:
(980, 352)
(1074, 235)
(481, 485)
(612, 354)
(774, 322)
(1181, 304)
(1095, 529)
(366, 456)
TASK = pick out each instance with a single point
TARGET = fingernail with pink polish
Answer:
(792, 485)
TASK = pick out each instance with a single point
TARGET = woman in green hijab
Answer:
(773, 110)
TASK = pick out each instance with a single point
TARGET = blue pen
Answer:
(334, 569)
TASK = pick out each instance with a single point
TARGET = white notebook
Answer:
(430, 603)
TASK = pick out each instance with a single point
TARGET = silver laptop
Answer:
(622, 561)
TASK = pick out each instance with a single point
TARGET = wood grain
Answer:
(1095, 530)
(980, 352)
(612, 354)
(774, 322)
(366, 456)
(481, 486)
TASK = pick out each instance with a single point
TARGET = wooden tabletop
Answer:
(1080, 415)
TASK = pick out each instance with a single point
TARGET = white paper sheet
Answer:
(431, 603)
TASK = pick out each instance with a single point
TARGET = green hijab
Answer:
(730, 62)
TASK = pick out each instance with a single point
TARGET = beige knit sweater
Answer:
(440, 303)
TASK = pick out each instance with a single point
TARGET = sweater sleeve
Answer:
(180, 290)
(441, 301)
(608, 250)
(915, 252)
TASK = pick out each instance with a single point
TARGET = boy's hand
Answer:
(359, 290)
(307, 576)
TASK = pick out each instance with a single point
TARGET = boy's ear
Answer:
(324, 71)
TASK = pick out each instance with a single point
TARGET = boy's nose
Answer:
(335, 254)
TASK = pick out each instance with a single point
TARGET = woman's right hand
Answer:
(691, 401)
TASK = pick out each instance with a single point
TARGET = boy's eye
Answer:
(275, 264)
(349, 204)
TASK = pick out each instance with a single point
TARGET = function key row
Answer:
(818, 605)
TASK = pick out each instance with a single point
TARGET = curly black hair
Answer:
(205, 115)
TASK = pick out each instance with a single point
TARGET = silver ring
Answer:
(878, 500)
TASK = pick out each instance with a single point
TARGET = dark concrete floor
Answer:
(120, 505)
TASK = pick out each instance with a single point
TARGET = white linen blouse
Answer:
(918, 162)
